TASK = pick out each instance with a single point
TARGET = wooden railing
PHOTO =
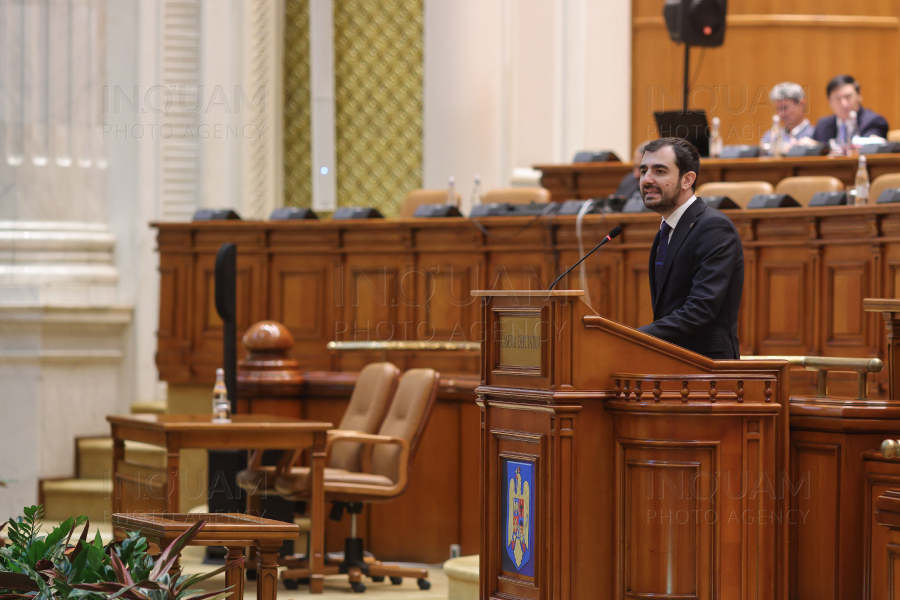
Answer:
(823, 364)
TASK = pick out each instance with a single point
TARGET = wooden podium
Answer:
(616, 465)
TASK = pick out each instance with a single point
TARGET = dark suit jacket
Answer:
(869, 123)
(697, 304)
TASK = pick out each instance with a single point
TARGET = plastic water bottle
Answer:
(776, 140)
(862, 182)
(476, 191)
(220, 403)
(851, 127)
(451, 191)
(715, 139)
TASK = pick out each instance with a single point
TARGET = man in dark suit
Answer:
(697, 259)
(844, 98)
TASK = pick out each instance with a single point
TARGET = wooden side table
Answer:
(234, 531)
(175, 432)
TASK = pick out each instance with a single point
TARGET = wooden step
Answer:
(64, 498)
(94, 456)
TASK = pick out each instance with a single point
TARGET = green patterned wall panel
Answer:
(378, 101)
(297, 134)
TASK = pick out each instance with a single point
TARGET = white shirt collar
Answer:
(676, 216)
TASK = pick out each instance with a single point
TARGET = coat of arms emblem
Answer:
(519, 536)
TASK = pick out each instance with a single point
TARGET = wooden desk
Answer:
(175, 432)
(592, 180)
(222, 529)
(806, 273)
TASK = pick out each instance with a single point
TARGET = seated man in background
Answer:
(630, 186)
(789, 101)
(844, 97)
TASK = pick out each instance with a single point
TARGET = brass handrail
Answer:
(391, 345)
(822, 364)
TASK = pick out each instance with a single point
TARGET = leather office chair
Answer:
(383, 476)
(739, 191)
(417, 198)
(881, 183)
(802, 189)
(374, 388)
(519, 195)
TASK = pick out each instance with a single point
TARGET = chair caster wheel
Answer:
(357, 587)
(291, 584)
(424, 584)
(377, 578)
(251, 574)
(396, 580)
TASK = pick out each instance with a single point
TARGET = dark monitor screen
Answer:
(690, 126)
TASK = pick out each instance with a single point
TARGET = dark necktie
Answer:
(661, 252)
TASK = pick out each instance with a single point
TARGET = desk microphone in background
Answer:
(615, 232)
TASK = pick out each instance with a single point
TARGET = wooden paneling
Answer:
(806, 272)
(766, 42)
(881, 475)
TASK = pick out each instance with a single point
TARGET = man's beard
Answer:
(665, 201)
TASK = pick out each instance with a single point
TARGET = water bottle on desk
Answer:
(775, 137)
(715, 139)
(476, 191)
(220, 404)
(852, 128)
(862, 182)
(451, 191)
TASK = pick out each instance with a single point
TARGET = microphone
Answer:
(615, 232)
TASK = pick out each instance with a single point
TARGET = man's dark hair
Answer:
(686, 156)
(840, 81)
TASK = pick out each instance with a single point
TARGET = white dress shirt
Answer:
(676, 216)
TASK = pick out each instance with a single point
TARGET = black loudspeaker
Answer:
(889, 195)
(805, 150)
(635, 205)
(428, 211)
(772, 201)
(356, 212)
(720, 202)
(586, 156)
(739, 151)
(290, 213)
(533, 209)
(573, 207)
(696, 22)
(828, 199)
(882, 148)
(215, 214)
(491, 210)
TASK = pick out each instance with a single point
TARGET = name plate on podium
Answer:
(520, 340)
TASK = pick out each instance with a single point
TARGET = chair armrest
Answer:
(369, 440)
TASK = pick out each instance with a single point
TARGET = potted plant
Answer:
(48, 567)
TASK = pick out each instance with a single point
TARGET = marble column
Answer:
(62, 328)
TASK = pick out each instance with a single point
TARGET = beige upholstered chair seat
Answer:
(373, 390)
(881, 183)
(802, 189)
(385, 461)
(298, 484)
(739, 191)
(523, 195)
(417, 198)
